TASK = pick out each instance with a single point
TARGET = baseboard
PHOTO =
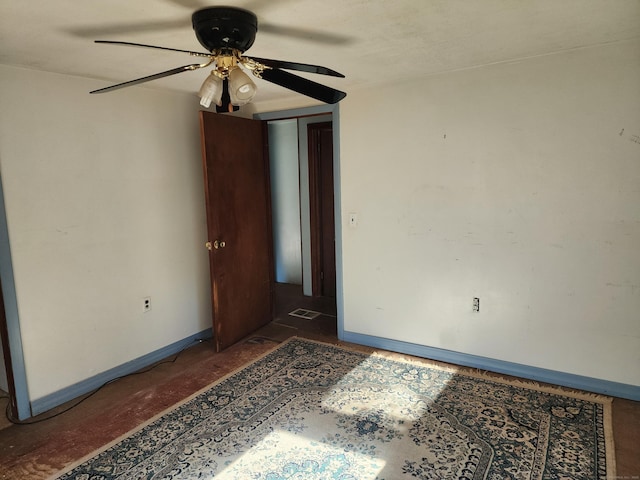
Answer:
(55, 399)
(580, 382)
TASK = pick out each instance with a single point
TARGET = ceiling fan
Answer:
(227, 32)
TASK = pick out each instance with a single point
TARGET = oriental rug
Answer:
(311, 411)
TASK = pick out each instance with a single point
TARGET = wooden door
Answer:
(236, 176)
(323, 237)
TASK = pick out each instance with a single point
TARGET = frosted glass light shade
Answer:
(211, 91)
(241, 87)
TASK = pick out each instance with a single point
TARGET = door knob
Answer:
(216, 244)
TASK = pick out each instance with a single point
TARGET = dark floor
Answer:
(39, 450)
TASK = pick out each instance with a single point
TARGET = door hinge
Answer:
(321, 275)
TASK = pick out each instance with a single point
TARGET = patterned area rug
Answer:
(312, 411)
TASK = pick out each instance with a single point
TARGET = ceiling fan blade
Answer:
(262, 5)
(132, 27)
(173, 71)
(303, 86)
(302, 67)
(305, 34)
(190, 4)
(110, 42)
(247, 5)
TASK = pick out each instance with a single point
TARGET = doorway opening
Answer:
(304, 209)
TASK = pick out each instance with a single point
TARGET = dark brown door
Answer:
(236, 176)
(323, 237)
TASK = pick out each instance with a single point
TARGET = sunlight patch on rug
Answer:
(282, 455)
(397, 401)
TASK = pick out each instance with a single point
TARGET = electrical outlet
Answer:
(476, 304)
(146, 305)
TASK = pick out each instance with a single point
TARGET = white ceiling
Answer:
(370, 41)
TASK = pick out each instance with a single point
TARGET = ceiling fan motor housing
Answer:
(225, 28)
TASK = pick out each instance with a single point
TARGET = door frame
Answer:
(317, 198)
(334, 110)
(10, 330)
(7, 361)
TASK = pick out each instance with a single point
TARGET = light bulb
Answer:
(211, 91)
(241, 88)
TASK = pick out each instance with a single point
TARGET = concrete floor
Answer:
(39, 450)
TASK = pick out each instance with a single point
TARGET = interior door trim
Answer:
(20, 395)
(334, 110)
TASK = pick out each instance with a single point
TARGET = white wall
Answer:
(515, 183)
(105, 206)
(285, 200)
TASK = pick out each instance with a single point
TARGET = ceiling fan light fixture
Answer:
(227, 32)
(211, 91)
(241, 87)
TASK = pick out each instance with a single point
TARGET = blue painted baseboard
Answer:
(54, 399)
(595, 385)
(589, 384)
